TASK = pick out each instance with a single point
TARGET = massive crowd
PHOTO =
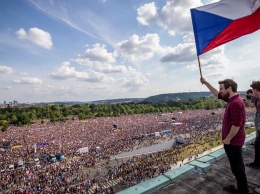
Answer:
(105, 137)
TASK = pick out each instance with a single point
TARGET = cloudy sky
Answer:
(85, 50)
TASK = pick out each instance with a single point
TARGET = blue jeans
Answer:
(234, 154)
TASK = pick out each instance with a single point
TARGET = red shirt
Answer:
(235, 114)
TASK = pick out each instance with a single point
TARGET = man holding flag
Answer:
(214, 25)
(233, 133)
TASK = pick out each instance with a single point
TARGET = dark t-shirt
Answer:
(235, 114)
(254, 100)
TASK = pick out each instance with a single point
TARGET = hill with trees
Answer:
(157, 98)
(115, 101)
(177, 96)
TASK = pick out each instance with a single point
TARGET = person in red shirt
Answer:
(233, 133)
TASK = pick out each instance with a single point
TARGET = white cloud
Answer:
(23, 73)
(139, 48)
(62, 90)
(174, 16)
(214, 76)
(147, 14)
(65, 91)
(212, 61)
(64, 71)
(7, 87)
(59, 90)
(215, 59)
(181, 53)
(255, 78)
(36, 36)
(117, 69)
(99, 77)
(28, 80)
(98, 88)
(189, 37)
(112, 69)
(96, 56)
(5, 70)
(136, 82)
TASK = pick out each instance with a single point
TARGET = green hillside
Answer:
(177, 96)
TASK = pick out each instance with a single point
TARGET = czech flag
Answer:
(218, 23)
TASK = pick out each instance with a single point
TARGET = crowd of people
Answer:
(104, 137)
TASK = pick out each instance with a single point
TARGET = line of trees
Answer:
(27, 116)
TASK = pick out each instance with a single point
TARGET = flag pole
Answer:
(199, 66)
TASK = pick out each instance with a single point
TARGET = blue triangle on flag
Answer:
(207, 27)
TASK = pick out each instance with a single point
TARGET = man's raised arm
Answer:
(210, 87)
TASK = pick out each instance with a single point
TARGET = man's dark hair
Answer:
(255, 85)
(249, 91)
(229, 82)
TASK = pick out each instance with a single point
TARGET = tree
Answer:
(81, 116)
(66, 111)
(2, 116)
(13, 119)
(5, 127)
(24, 118)
(33, 115)
(53, 119)
(92, 106)
(183, 107)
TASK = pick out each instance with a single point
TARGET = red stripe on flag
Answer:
(236, 29)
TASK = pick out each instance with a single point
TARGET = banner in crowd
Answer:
(42, 144)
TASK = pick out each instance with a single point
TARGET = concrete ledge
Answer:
(201, 166)
(250, 138)
(148, 186)
(159, 182)
(207, 159)
(178, 173)
(218, 154)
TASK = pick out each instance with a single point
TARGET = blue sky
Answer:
(85, 50)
